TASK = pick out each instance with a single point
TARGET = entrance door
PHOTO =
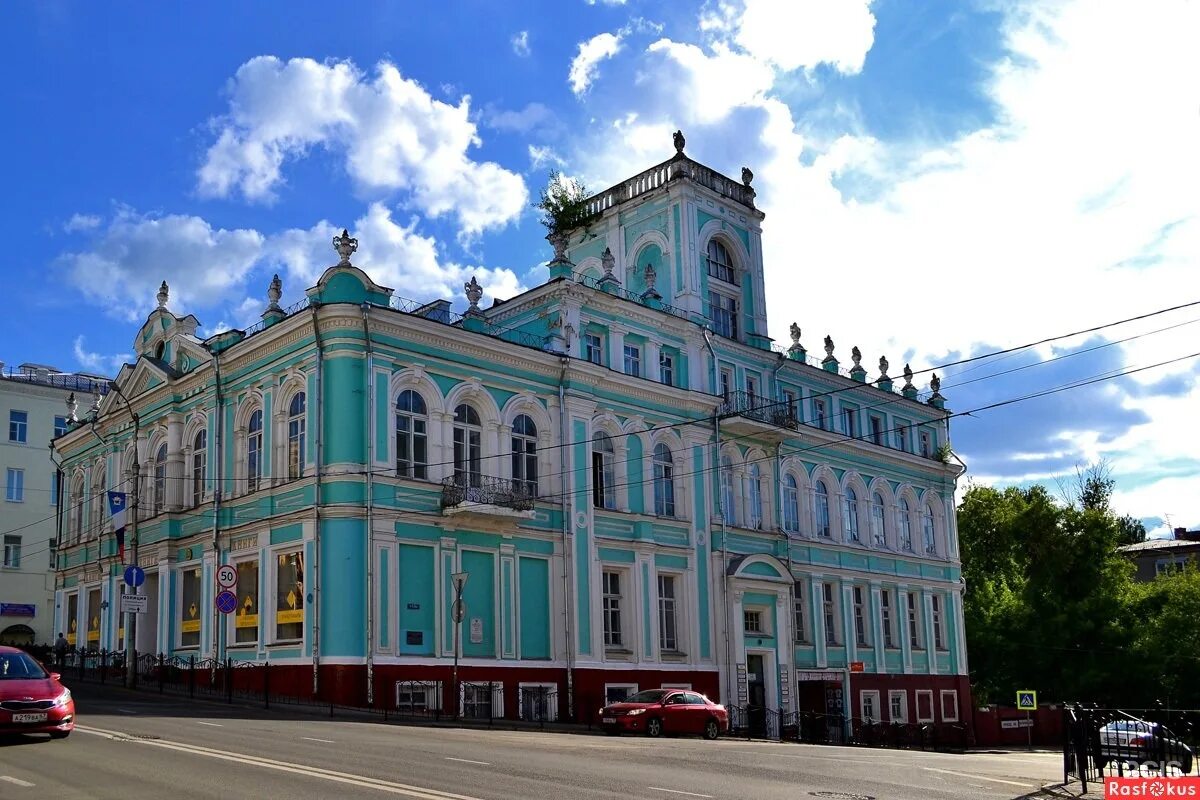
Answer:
(756, 709)
(147, 624)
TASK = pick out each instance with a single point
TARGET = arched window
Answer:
(468, 448)
(727, 504)
(412, 444)
(99, 500)
(524, 455)
(160, 479)
(850, 514)
(79, 499)
(878, 535)
(604, 479)
(254, 444)
(927, 531)
(199, 466)
(296, 436)
(791, 504)
(664, 481)
(720, 265)
(755, 500)
(822, 510)
(905, 526)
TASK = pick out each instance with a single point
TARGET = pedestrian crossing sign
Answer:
(1027, 700)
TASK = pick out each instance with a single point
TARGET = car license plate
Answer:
(30, 717)
(608, 720)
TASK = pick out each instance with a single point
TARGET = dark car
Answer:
(31, 699)
(1138, 742)
(658, 711)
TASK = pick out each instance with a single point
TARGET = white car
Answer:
(1136, 741)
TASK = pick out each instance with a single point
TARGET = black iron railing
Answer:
(482, 490)
(762, 409)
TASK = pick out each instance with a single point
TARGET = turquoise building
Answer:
(641, 487)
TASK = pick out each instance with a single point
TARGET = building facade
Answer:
(33, 408)
(641, 488)
(1155, 557)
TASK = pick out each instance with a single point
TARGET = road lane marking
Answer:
(126, 711)
(469, 761)
(977, 777)
(312, 739)
(306, 770)
(210, 724)
(17, 781)
(677, 791)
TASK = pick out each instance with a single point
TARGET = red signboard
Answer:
(857, 666)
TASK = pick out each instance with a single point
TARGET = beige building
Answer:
(33, 410)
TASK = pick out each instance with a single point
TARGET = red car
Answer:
(659, 711)
(31, 699)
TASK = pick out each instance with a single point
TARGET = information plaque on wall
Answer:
(785, 689)
(741, 684)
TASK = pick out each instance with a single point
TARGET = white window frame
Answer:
(496, 701)
(726, 386)
(873, 695)
(727, 303)
(632, 360)
(800, 611)
(878, 532)
(665, 504)
(14, 485)
(18, 432)
(820, 417)
(631, 687)
(231, 622)
(878, 428)
(850, 520)
(666, 368)
(942, 695)
(791, 504)
(902, 717)
(12, 551)
(912, 620)
(887, 614)
(932, 711)
(830, 613)
(411, 468)
(433, 702)
(198, 457)
(760, 617)
(676, 586)
(271, 633)
(862, 616)
(300, 422)
(624, 599)
(939, 633)
(926, 444)
(551, 707)
(177, 623)
(593, 348)
(850, 421)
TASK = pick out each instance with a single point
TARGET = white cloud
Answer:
(794, 34)
(122, 269)
(541, 156)
(533, 115)
(97, 363)
(82, 222)
(586, 64)
(393, 134)
(520, 43)
(606, 2)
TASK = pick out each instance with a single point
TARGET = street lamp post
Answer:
(458, 611)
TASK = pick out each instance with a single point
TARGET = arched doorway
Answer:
(18, 635)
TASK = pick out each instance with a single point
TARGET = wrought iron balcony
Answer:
(480, 494)
(742, 412)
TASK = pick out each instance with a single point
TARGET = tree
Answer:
(562, 203)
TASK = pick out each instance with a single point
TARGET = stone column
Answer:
(176, 485)
(905, 635)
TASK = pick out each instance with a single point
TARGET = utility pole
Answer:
(457, 612)
(131, 616)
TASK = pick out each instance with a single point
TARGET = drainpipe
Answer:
(720, 511)
(58, 509)
(370, 393)
(568, 607)
(316, 565)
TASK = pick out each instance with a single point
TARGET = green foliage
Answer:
(1051, 604)
(562, 203)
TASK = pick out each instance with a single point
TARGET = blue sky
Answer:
(947, 178)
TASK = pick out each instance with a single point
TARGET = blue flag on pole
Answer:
(116, 509)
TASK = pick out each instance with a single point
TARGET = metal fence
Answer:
(1103, 742)
(836, 729)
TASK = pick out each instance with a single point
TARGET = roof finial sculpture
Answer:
(95, 409)
(747, 176)
(274, 292)
(883, 368)
(856, 356)
(679, 141)
(908, 375)
(935, 383)
(345, 247)
(164, 293)
(474, 292)
(72, 408)
(829, 347)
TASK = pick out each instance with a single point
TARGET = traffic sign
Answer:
(135, 603)
(226, 602)
(134, 576)
(1027, 700)
(226, 576)
(458, 610)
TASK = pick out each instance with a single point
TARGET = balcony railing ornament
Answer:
(485, 491)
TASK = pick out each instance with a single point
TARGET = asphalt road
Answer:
(131, 745)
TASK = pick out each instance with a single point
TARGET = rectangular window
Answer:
(611, 588)
(54, 488)
(593, 348)
(666, 369)
(949, 702)
(539, 702)
(246, 617)
(877, 430)
(885, 605)
(726, 383)
(798, 626)
(789, 400)
(12, 551)
(914, 625)
(860, 618)
(92, 619)
(926, 445)
(752, 391)
(819, 413)
(618, 692)
(667, 637)
(850, 421)
(633, 360)
(14, 485)
(898, 705)
(604, 489)
(902, 437)
(924, 705)
(289, 596)
(190, 607)
(72, 619)
(869, 705)
(18, 426)
(829, 605)
(939, 640)
(53, 547)
(723, 310)
(60, 426)
(752, 621)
